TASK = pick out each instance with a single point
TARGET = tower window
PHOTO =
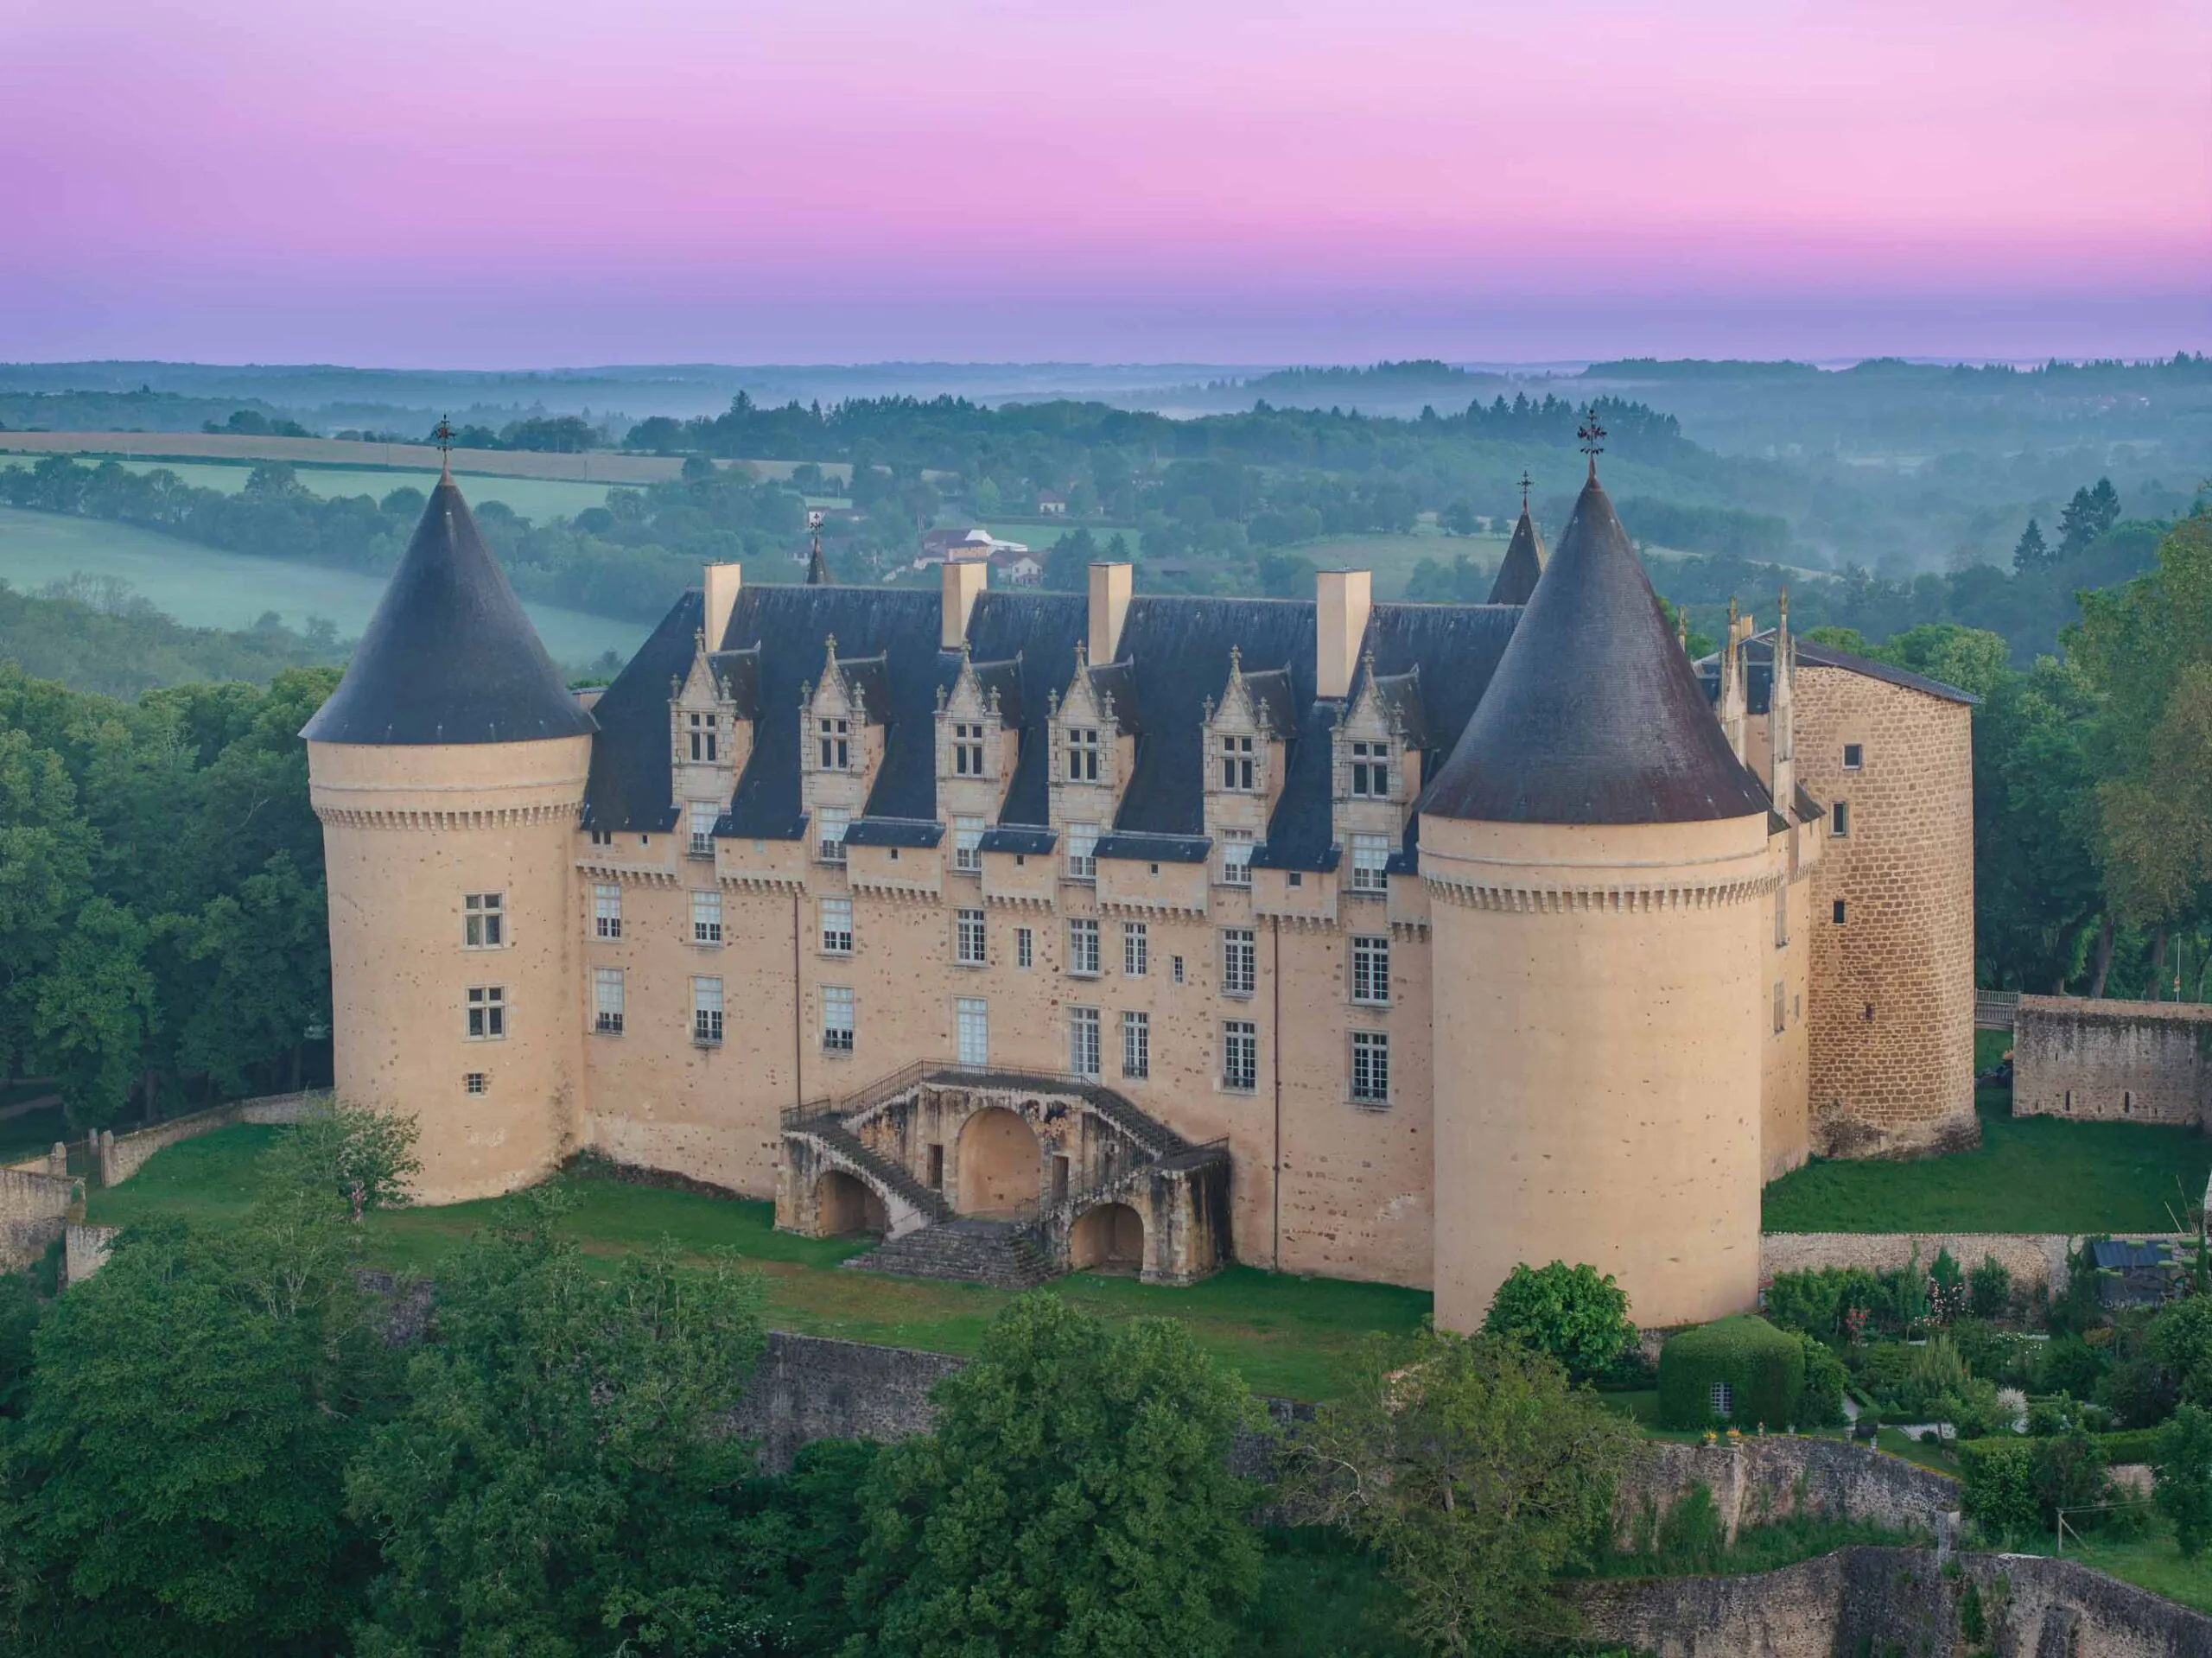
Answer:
(706, 918)
(836, 926)
(1370, 771)
(707, 1013)
(1371, 971)
(1854, 757)
(1024, 947)
(836, 1018)
(602, 837)
(484, 920)
(1237, 857)
(1239, 771)
(1370, 863)
(1083, 755)
(967, 844)
(968, 938)
(1370, 1067)
(606, 1000)
(1082, 947)
(829, 833)
(1083, 852)
(1840, 818)
(702, 815)
(834, 742)
(1083, 1041)
(967, 749)
(1781, 1002)
(703, 744)
(1240, 961)
(607, 910)
(1838, 913)
(1240, 1055)
(1136, 1045)
(488, 1013)
(474, 1082)
(1136, 948)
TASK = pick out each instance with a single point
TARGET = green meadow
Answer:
(203, 587)
(533, 498)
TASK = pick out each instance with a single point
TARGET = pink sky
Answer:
(507, 182)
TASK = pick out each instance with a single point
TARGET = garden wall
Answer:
(86, 1251)
(2031, 1257)
(34, 1210)
(1893, 1601)
(1772, 1477)
(124, 1155)
(2113, 1061)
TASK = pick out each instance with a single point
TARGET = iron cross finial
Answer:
(1524, 490)
(441, 434)
(1593, 435)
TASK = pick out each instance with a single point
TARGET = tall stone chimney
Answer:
(723, 581)
(1109, 605)
(960, 580)
(1342, 599)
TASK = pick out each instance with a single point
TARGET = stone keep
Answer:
(451, 762)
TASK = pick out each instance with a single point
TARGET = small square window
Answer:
(1840, 818)
(474, 1082)
(1838, 913)
(1854, 757)
(484, 920)
(600, 837)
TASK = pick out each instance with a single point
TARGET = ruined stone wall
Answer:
(124, 1155)
(1892, 1601)
(1892, 983)
(34, 1208)
(86, 1251)
(1772, 1477)
(2031, 1257)
(2113, 1061)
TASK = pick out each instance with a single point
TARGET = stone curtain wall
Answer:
(1892, 1042)
(124, 1155)
(1771, 1478)
(34, 1210)
(2113, 1061)
(809, 1387)
(1892, 1600)
(2031, 1257)
(86, 1251)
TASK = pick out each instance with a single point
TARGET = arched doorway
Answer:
(845, 1207)
(1108, 1239)
(1001, 1168)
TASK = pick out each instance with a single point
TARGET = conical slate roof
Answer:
(1594, 715)
(817, 569)
(449, 657)
(1523, 563)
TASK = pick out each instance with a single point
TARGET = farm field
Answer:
(203, 587)
(1037, 534)
(1285, 1335)
(533, 498)
(1393, 558)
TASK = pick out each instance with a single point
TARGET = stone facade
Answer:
(2113, 1061)
(1893, 1601)
(1768, 1478)
(1891, 1048)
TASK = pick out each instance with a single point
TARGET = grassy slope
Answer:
(1284, 1334)
(2030, 1174)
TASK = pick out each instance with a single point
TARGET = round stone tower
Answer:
(1596, 856)
(448, 770)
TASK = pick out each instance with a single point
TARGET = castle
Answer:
(1029, 930)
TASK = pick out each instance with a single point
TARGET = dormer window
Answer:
(837, 744)
(967, 749)
(1082, 755)
(1239, 771)
(702, 733)
(1370, 771)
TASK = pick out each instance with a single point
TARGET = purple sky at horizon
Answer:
(508, 183)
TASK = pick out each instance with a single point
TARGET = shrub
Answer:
(1974, 1409)
(1810, 1302)
(2068, 1472)
(1820, 1402)
(1763, 1367)
(1998, 1486)
(2130, 1445)
(1574, 1314)
(1989, 1289)
(1692, 1537)
(1934, 1371)
(2184, 1488)
(2071, 1366)
(2181, 1339)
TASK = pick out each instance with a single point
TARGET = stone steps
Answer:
(882, 1169)
(1002, 1253)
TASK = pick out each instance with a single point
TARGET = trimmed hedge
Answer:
(2126, 1445)
(1765, 1368)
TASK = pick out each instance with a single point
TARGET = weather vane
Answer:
(1524, 489)
(441, 434)
(1592, 436)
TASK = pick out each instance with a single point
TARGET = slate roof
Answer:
(1523, 563)
(449, 657)
(1594, 715)
(1758, 677)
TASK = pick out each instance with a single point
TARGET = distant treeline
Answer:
(93, 634)
(143, 410)
(1722, 531)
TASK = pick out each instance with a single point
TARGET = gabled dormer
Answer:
(841, 744)
(1243, 754)
(1375, 772)
(710, 737)
(1090, 763)
(978, 739)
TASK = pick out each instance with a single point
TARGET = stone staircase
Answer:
(972, 1249)
(895, 1176)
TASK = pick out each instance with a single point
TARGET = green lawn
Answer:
(2030, 1174)
(2151, 1562)
(1286, 1335)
